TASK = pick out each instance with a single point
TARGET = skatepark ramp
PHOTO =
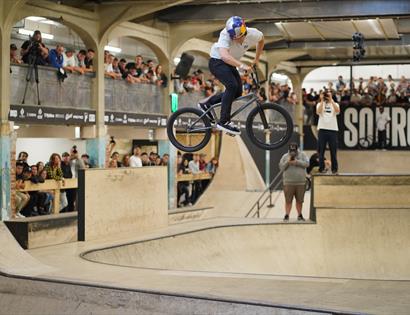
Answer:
(360, 229)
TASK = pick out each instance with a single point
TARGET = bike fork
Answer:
(263, 116)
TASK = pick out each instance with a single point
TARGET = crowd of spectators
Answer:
(67, 60)
(189, 191)
(138, 158)
(59, 168)
(376, 91)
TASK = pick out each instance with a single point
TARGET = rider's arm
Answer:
(228, 58)
(259, 49)
(319, 108)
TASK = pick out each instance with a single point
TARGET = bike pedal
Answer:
(229, 134)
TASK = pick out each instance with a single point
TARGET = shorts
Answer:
(297, 191)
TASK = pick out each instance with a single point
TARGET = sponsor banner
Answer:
(358, 128)
(130, 119)
(51, 115)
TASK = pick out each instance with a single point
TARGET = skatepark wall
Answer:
(116, 201)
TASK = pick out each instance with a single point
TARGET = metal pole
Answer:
(267, 160)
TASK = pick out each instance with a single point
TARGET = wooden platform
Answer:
(45, 230)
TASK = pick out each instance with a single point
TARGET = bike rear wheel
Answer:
(189, 130)
(269, 126)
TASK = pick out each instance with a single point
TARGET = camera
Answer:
(74, 149)
(293, 151)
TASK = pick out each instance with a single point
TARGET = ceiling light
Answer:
(42, 20)
(113, 49)
(24, 31)
(177, 60)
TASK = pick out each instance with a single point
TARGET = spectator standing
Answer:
(340, 84)
(88, 61)
(327, 109)
(56, 57)
(212, 166)
(23, 157)
(22, 198)
(116, 158)
(293, 165)
(14, 58)
(193, 166)
(135, 159)
(202, 162)
(75, 162)
(53, 168)
(382, 120)
(126, 160)
(86, 160)
(35, 47)
(162, 79)
(69, 193)
(183, 186)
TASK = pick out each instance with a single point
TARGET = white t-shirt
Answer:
(135, 161)
(69, 61)
(237, 50)
(108, 67)
(327, 119)
(381, 120)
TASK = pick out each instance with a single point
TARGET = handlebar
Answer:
(255, 78)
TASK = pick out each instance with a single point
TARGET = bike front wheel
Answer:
(189, 130)
(269, 126)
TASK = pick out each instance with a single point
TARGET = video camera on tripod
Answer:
(32, 57)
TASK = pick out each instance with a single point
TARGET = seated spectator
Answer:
(22, 198)
(53, 167)
(49, 196)
(35, 49)
(125, 160)
(162, 79)
(14, 58)
(212, 166)
(40, 166)
(202, 162)
(41, 197)
(88, 61)
(158, 161)
(56, 57)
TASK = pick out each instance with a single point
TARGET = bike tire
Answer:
(170, 129)
(283, 140)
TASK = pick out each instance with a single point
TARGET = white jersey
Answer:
(327, 119)
(381, 120)
(237, 50)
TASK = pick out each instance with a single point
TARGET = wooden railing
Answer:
(54, 186)
(193, 177)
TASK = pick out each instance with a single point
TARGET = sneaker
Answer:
(301, 218)
(286, 218)
(19, 215)
(335, 172)
(204, 107)
(228, 128)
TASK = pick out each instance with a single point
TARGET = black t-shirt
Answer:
(88, 63)
(66, 168)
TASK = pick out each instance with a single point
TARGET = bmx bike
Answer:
(268, 125)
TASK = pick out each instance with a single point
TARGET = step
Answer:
(45, 230)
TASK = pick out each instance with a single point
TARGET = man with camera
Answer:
(293, 165)
(327, 109)
(33, 51)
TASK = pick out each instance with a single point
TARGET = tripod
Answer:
(32, 68)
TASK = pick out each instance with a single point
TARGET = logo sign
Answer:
(130, 119)
(51, 115)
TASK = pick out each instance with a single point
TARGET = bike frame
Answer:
(252, 98)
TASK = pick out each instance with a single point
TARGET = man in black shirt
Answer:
(67, 173)
(88, 61)
(35, 48)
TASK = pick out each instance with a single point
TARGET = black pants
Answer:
(71, 195)
(183, 189)
(382, 137)
(230, 78)
(327, 137)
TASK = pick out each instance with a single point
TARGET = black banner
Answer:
(358, 128)
(51, 115)
(129, 119)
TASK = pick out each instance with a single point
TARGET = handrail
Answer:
(259, 204)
